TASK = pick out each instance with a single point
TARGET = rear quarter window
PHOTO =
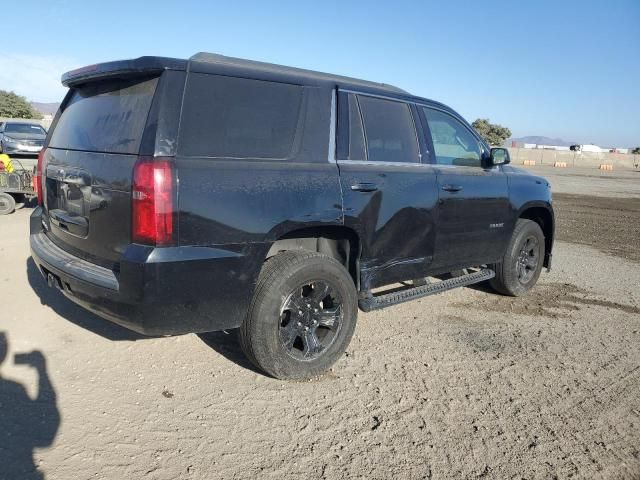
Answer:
(105, 116)
(231, 117)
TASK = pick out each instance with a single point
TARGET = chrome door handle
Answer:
(364, 187)
(452, 188)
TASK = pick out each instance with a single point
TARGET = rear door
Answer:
(388, 194)
(473, 218)
(89, 162)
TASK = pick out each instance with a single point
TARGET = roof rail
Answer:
(206, 57)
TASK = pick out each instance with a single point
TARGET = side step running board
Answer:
(393, 298)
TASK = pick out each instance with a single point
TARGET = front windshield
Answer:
(24, 128)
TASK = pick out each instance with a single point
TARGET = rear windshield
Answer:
(107, 116)
(24, 128)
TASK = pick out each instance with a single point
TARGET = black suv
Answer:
(214, 193)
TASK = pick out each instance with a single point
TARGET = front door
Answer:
(388, 194)
(473, 215)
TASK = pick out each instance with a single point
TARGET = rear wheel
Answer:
(7, 203)
(302, 316)
(522, 262)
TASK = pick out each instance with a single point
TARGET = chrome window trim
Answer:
(386, 164)
(375, 95)
(332, 129)
(487, 169)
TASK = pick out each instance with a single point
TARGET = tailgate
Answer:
(89, 162)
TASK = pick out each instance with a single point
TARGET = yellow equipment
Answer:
(6, 161)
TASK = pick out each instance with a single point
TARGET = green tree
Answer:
(636, 151)
(492, 133)
(15, 106)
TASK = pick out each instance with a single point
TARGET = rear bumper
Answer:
(157, 291)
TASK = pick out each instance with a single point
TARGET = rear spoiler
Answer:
(137, 66)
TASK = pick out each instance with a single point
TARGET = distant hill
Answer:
(538, 140)
(46, 108)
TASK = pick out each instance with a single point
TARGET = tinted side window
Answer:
(238, 118)
(389, 129)
(452, 141)
(356, 133)
(350, 135)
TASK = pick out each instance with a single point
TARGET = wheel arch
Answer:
(542, 214)
(337, 241)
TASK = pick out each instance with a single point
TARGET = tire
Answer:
(7, 204)
(302, 316)
(522, 262)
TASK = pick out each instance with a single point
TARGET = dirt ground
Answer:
(610, 224)
(467, 384)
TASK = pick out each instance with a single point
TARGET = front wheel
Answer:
(302, 316)
(521, 265)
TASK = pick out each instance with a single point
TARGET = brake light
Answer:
(39, 178)
(152, 198)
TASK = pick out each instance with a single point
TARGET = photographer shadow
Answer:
(26, 423)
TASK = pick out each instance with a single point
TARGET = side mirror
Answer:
(500, 156)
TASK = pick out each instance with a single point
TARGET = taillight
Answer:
(152, 197)
(39, 178)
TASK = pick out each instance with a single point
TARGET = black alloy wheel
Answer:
(310, 319)
(520, 267)
(528, 259)
(302, 316)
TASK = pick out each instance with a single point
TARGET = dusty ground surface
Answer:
(463, 385)
(610, 224)
(597, 208)
(588, 181)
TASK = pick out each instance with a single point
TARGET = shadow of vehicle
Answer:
(25, 423)
(484, 287)
(227, 344)
(74, 313)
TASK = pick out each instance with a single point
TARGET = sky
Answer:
(563, 69)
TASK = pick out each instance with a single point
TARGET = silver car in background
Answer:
(21, 137)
